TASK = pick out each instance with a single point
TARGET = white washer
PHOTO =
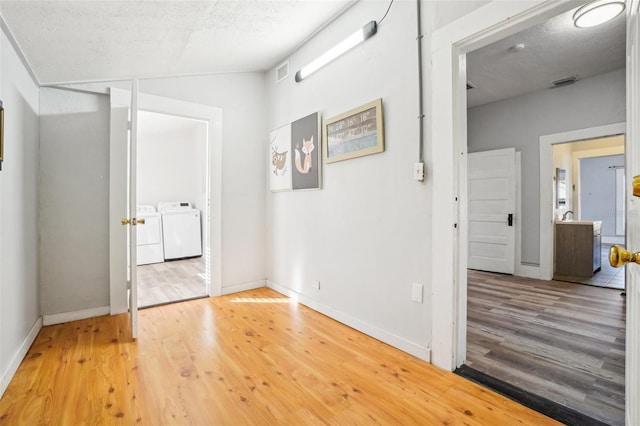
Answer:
(181, 230)
(150, 246)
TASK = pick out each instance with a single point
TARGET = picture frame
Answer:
(306, 150)
(355, 133)
(279, 157)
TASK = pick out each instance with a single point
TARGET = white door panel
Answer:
(133, 211)
(492, 192)
(119, 141)
(632, 151)
(122, 205)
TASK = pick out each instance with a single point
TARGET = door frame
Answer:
(213, 117)
(449, 46)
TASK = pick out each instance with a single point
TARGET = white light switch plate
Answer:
(416, 292)
(418, 171)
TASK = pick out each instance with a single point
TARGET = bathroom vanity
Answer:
(577, 253)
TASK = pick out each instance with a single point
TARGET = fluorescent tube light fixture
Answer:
(597, 12)
(344, 46)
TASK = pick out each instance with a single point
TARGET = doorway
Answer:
(492, 22)
(172, 194)
(593, 169)
(121, 101)
(515, 326)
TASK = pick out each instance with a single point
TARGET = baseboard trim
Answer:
(396, 341)
(528, 271)
(51, 319)
(8, 374)
(236, 288)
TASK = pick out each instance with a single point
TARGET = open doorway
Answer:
(172, 193)
(593, 173)
(524, 331)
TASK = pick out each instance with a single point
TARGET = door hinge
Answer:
(510, 219)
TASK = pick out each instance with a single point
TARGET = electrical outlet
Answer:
(416, 292)
(315, 284)
(418, 171)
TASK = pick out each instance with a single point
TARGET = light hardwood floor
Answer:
(253, 358)
(562, 341)
(172, 281)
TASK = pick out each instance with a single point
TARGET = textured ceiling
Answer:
(79, 41)
(553, 50)
(83, 41)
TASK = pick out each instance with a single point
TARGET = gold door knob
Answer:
(619, 256)
(636, 186)
(125, 221)
(139, 221)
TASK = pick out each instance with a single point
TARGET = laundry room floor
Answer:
(172, 281)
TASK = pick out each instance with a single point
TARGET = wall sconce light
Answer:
(345, 45)
(597, 12)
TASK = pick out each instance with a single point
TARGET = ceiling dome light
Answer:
(597, 12)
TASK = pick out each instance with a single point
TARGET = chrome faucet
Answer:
(564, 216)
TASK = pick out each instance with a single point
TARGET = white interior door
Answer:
(133, 204)
(491, 189)
(122, 205)
(632, 147)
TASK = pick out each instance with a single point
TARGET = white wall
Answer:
(366, 234)
(519, 122)
(172, 166)
(597, 187)
(74, 201)
(19, 293)
(242, 99)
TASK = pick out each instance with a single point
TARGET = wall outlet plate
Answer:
(416, 292)
(315, 284)
(418, 171)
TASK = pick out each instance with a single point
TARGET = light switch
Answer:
(418, 171)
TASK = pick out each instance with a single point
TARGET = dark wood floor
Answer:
(172, 281)
(562, 341)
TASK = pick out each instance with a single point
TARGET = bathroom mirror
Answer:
(561, 188)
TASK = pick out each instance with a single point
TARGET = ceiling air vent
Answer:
(282, 72)
(564, 81)
(470, 85)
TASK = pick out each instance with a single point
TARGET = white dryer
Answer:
(150, 246)
(181, 230)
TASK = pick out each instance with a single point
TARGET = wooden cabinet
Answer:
(577, 249)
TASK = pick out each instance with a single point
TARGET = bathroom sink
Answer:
(597, 224)
(579, 222)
